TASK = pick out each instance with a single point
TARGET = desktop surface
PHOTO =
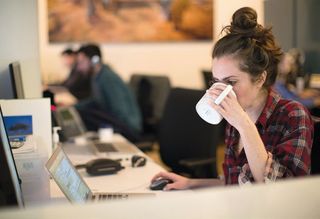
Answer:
(296, 198)
(128, 180)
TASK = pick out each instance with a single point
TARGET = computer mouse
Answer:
(160, 184)
(103, 166)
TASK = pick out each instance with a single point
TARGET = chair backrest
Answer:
(315, 152)
(151, 92)
(183, 134)
(207, 78)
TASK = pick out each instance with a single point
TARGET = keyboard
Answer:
(105, 147)
(16, 144)
(120, 196)
(115, 196)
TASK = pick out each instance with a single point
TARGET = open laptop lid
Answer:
(67, 177)
(69, 120)
(10, 189)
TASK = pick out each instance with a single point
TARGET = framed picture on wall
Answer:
(117, 21)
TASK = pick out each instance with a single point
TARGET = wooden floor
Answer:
(154, 154)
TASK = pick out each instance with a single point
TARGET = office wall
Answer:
(223, 10)
(280, 15)
(308, 33)
(182, 62)
(295, 26)
(19, 42)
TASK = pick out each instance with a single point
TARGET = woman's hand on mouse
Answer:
(178, 182)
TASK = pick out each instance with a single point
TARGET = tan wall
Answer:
(182, 62)
(19, 42)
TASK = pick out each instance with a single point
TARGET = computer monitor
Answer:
(10, 188)
(16, 80)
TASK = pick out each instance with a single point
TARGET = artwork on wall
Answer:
(109, 21)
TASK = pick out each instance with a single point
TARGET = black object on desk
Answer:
(159, 184)
(138, 161)
(102, 166)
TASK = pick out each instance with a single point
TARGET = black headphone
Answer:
(138, 161)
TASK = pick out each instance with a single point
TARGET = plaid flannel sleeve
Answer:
(291, 157)
(273, 171)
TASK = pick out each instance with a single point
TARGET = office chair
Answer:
(315, 151)
(187, 143)
(207, 78)
(151, 92)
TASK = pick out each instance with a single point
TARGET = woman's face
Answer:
(226, 70)
(285, 65)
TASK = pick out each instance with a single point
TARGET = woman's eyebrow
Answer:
(226, 78)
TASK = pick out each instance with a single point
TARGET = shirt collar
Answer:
(271, 103)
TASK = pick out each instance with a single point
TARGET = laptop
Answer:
(72, 184)
(71, 123)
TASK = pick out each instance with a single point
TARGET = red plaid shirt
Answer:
(286, 130)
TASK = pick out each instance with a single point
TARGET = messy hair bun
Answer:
(243, 20)
(252, 44)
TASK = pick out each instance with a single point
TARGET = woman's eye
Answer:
(232, 83)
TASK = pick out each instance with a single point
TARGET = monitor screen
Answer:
(66, 114)
(18, 125)
(67, 177)
(10, 189)
(16, 80)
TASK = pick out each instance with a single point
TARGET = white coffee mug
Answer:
(206, 111)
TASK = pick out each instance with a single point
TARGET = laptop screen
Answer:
(10, 190)
(67, 177)
(70, 122)
(66, 114)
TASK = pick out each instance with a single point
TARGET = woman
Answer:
(285, 84)
(267, 138)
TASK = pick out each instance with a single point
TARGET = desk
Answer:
(297, 198)
(315, 81)
(130, 179)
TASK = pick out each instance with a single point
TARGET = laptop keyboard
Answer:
(105, 147)
(71, 130)
(114, 196)
(16, 144)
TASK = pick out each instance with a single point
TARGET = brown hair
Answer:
(252, 44)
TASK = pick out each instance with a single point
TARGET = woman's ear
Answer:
(262, 79)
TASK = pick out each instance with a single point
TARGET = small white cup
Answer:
(105, 134)
(80, 140)
(300, 84)
(206, 111)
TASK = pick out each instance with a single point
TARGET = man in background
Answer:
(111, 101)
(78, 82)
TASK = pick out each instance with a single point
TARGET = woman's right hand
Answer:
(178, 182)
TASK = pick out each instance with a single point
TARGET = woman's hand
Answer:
(178, 182)
(229, 108)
